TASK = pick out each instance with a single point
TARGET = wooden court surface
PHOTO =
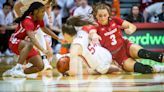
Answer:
(51, 81)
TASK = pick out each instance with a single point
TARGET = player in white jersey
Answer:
(93, 57)
(20, 7)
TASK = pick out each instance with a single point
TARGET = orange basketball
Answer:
(63, 64)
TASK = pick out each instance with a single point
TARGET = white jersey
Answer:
(96, 57)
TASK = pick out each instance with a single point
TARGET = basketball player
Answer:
(123, 51)
(95, 58)
(30, 21)
(20, 7)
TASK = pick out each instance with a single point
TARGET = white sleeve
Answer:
(76, 12)
(153, 8)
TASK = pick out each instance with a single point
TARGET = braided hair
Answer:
(30, 10)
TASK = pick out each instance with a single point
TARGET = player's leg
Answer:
(131, 65)
(37, 65)
(23, 48)
(48, 45)
(137, 51)
(41, 39)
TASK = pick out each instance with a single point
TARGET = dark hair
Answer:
(30, 10)
(56, 7)
(100, 5)
(7, 4)
(73, 21)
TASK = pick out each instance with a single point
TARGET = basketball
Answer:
(63, 64)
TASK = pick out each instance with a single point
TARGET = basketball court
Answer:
(51, 81)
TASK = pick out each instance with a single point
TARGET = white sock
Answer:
(19, 66)
(41, 40)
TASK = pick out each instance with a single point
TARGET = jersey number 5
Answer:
(113, 38)
(91, 49)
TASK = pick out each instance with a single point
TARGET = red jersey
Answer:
(111, 34)
(27, 24)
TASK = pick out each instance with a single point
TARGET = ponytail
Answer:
(72, 22)
(30, 10)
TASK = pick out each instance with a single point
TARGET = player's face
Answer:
(68, 38)
(102, 16)
(40, 13)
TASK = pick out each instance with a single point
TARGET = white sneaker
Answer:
(47, 65)
(158, 68)
(8, 53)
(18, 73)
(8, 73)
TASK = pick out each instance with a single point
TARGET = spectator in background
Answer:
(135, 15)
(6, 28)
(55, 25)
(84, 9)
(76, 5)
(151, 11)
(65, 5)
(161, 15)
(1, 3)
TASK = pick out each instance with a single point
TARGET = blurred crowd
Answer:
(147, 11)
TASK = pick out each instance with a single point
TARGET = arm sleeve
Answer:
(28, 25)
(118, 20)
(88, 28)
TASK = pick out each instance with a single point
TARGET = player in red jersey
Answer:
(30, 21)
(123, 51)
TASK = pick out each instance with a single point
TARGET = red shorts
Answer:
(123, 53)
(14, 47)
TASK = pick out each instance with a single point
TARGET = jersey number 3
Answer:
(113, 38)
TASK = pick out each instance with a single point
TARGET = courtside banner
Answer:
(149, 39)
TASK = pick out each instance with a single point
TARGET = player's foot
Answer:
(158, 68)
(14, 72)
(8, 73)
(18, 73)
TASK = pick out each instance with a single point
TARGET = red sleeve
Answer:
(28, 25)
(88, 28)
(118, 20)
(41, 23)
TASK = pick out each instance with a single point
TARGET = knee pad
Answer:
(142, 53)
(140, 68)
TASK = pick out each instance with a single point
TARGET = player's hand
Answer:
(95, 38)
(128, 31)
(47, 52)
(62, 41)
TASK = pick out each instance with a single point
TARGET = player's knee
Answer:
(29, 45)
(140, 68)
(40, 68)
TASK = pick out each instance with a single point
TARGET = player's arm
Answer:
(31, 35)
(75, 61)
(128, 27)
(49, 32)
(17, 8)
